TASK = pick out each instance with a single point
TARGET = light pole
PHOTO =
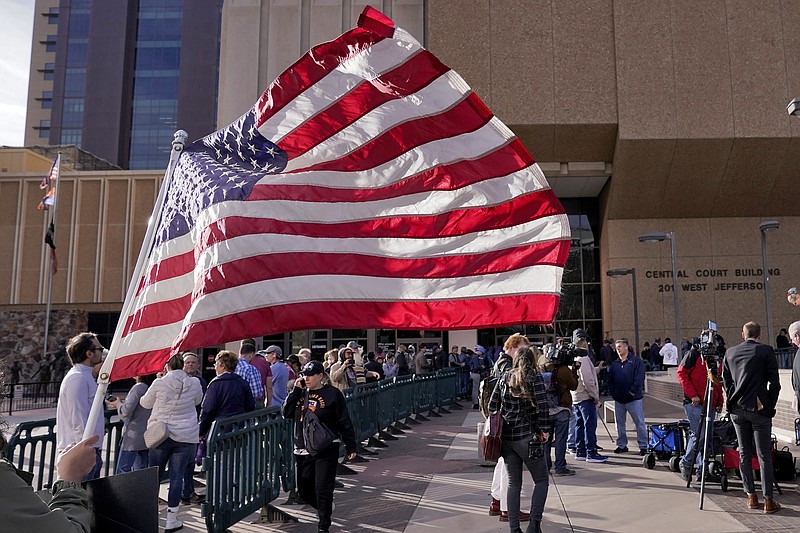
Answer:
(670, 236)
(764, 227)
(619, 272)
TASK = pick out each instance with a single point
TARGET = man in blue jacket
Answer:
(626, 386)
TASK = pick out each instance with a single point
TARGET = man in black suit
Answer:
(750, 375)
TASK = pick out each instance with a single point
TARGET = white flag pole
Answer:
(105, 371)
(52, 264)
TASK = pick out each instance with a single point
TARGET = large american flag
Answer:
(369, 187)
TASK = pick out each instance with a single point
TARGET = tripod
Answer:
(702, 433)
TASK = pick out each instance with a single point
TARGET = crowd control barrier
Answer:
(249, 459)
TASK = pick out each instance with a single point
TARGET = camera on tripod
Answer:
(708, 344)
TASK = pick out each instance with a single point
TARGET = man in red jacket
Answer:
(693, 376)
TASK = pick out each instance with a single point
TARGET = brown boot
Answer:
(771, 506)
(523, 516)
(752, 501)
(494, 508)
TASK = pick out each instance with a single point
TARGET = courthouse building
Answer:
(645, 117)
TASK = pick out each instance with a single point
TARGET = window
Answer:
(48, 71)
(49, 43)
(52, 15)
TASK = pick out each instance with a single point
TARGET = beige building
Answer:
(645, 116)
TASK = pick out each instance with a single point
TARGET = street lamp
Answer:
(794, 107)
(658, 237)
(764, 227)
(619, 272)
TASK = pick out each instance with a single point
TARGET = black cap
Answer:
(312, 368)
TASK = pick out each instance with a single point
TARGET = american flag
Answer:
(49, 182)
(369, 187)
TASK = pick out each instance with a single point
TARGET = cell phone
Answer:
(111, 398)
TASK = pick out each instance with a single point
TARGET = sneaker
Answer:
(621, 449)
(193, 499)
(686, 473)
(571, 450)
(580, 457)
(596, 458)
(643, 451)
(566, 472)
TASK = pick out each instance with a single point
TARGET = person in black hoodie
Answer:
(316, 474)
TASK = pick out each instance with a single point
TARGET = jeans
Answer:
(572, 432)
(315, 481)
(177, 454)
(636, 411)
(515, 454)
(476, 384)
(787, 359)
(130, 460)
(500, 484)
(696, 414)
(94, 473)
(754, 429)
(585, 428)
(558, 439)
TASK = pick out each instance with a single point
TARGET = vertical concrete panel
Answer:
(9, 213)
(459, 33)
(284, 37)
(326, 21)
(755, 37)
(86, 242)
(66, 194)
(112, 255)
(241, 58)
(410, 15)
(143, 196)
(790, 22)
(702, 69)
(645, 70)
(357, 6)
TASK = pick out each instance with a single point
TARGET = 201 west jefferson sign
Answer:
(712, 281)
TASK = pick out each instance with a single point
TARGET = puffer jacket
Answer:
(175, 408)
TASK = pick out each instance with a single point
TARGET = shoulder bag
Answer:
(491, 439)
(316, 435)
(158, 431)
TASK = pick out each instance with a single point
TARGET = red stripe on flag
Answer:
(413, 75)
(468, 115)
(273, 266)
(158, 314)
(311, 68)
(501, 162)
(437, 315)
(522, 209)
(168, 268)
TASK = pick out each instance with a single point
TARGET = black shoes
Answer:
(193, 499)
(643, 451)
(621, 449)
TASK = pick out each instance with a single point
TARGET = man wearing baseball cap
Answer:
(280, 374)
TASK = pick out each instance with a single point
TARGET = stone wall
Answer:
(22, 337)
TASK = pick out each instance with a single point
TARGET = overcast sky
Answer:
(16, 27)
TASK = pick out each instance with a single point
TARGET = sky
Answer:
(16, 30)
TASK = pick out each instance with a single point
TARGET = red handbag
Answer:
(491, 439)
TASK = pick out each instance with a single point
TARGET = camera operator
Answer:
(585, 399)
(693, 376)
(563, 380)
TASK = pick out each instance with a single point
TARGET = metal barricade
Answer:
(248, 460)
(29, 396)
(404, 397)
(32, 448)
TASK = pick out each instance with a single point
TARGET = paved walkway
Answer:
(429, 480)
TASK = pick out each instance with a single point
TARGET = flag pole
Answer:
(52, 264)
(103, 378)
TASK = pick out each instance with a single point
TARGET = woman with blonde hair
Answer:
(522, 401)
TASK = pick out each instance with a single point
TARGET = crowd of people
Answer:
(548, 399)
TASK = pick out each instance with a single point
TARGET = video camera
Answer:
(563, 353)
(708, 344)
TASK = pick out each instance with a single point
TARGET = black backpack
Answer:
(316, 435)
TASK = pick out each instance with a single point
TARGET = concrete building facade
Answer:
(644, 116)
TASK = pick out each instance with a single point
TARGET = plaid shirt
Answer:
(521, 419)
(252, 376)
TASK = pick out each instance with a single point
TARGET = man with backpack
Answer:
(559, 379)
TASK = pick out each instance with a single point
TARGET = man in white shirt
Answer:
(670, 353)
(76, 395)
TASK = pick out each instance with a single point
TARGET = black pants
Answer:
(315, 481)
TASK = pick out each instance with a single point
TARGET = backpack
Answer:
(551, 388)
(485, 393)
